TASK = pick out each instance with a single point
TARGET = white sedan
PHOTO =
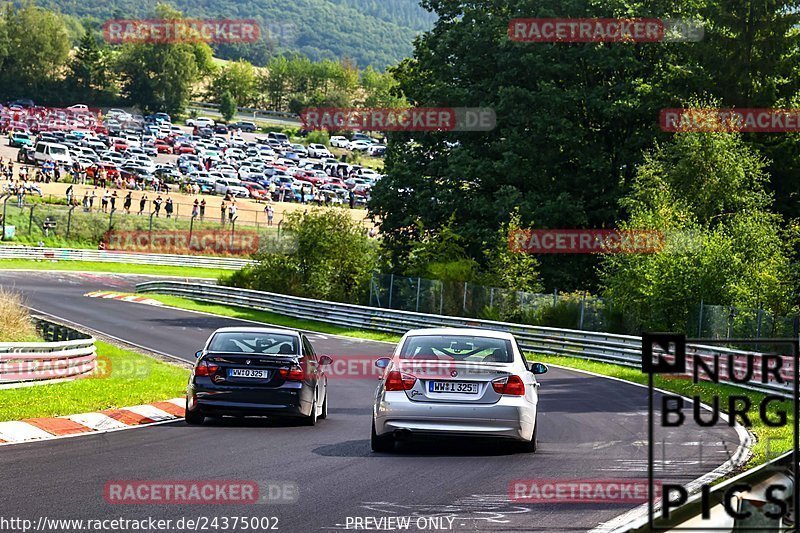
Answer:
(459, 382)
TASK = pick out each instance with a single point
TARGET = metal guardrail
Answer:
(605, 347)
(106, 256)
(66, 353)
(250, 111)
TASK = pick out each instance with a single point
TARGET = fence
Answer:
(567, 310)
(606, 347)
(101, 256)
(66, 353)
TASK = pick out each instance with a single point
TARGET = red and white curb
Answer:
(125, 297)
(35, 429)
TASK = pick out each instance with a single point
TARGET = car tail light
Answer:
(295, 373)
(204, 368)
(396, 380)
(510, 386)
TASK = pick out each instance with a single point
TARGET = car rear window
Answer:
(254, 342)
(458, 348)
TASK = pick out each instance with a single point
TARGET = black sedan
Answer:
(258, 372)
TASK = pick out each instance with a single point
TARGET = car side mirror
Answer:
(383, 362)
(538, 368)
(198, 353)
(325, 360)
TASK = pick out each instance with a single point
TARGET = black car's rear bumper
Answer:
(290, 400)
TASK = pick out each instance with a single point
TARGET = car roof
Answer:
(471, 332)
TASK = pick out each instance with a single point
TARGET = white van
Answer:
(47, 151)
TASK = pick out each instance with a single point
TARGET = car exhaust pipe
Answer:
(401, 434)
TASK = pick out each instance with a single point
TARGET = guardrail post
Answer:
(69, 218)
(5, 201)
(700, 320)
(583, 307)
(30, 219)
(150, 232)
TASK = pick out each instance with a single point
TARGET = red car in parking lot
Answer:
(184, 149)
(162, 147)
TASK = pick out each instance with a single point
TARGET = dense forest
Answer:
(368, 32)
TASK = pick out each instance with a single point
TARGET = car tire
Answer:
(529, 446)
(382, 443)
(194, 418)
(311, 420)
(324, 413)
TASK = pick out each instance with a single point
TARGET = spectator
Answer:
(86, 201)
(352, 199)
(113, 200)
(168, 207)
(232, 212)
(127, 203)
(223, 208)
(270, 214)
(104, 201)
(157, 205)
(142, 204)
(202, 209)
(195, 208)
(69, 194)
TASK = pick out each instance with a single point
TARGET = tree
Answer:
(88, 69)
(160, 77)
(37, 45)
(227, 106)
(706, 194)
(332, 259)
(237, 78)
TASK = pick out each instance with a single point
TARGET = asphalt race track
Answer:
(590, 428)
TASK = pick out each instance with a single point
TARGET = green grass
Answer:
(271, 318)
(770, 441)
(124, 378)
(114, 268)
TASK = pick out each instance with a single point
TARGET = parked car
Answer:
(18, 139)
(337, 141)
(244, 125)
(318, 151)
(201, 122)
(231, 186)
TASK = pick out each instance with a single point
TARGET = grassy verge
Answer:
(16, 323)
(114, 268)
(770, 441)
(124, 378)
(271, 318)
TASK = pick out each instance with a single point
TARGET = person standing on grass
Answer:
(113, 201)
(195, 208)
(127, 203)
(223, 208)
(20, 195)
(157, 205)
(142, 203)
(69, 194)
(168, 207)
(104, 201)
(202, 209)
(91, 200)
(86, 201)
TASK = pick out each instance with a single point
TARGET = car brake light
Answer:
(395, 380)
(204, 368)
(510, 386)
(295, 373)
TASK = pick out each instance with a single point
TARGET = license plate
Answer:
(464, 387)
(251, 373)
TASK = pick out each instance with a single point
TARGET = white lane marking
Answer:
(15, 431)
(97, 421)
